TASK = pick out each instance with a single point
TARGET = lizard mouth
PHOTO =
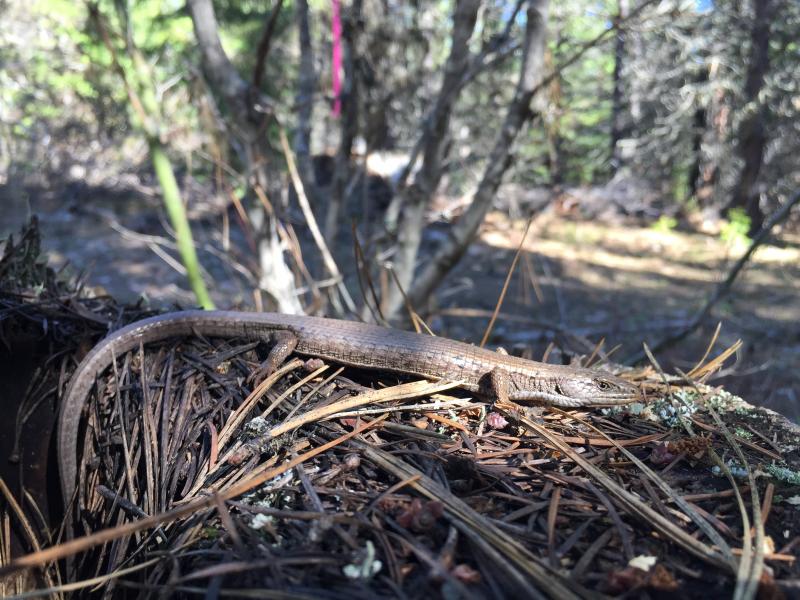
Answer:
(560, 394)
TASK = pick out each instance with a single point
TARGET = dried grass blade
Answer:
(85, 583)
(237, 418)
(716, 363)
(507, 281)
(510, 556)
(696, 518)
(631, 502)
(708, 349)
(76, 545)
(752, 565)
(746, 562)
(311, 222)
(552, 514)
(365, 282)
(398, 392)
(598, 347)
(25, 527)
(740, 440)
(416, 320)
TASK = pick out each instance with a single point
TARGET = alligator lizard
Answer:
(350, 343)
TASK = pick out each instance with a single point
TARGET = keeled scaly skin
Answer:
(349, 343)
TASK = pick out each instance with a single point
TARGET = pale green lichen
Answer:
(734, 467)
(259, 521)
(256, 426)
(784, 474)
(670, 411)
(722, 400)
(366, 568)
(677, 407)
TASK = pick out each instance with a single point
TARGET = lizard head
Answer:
(582, 388)
(595, 389)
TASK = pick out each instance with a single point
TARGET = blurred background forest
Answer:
(326, 155)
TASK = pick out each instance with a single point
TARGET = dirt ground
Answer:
(578, 281)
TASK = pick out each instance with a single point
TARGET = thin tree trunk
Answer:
(306, 82)
(240, 99)
(752, 131)
(617, 105)
(716, 132)
(552, 119)
(416, 196)
(519, 111)
(699, 122)
(349, 124)
(224, 78)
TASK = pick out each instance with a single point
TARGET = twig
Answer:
(502, 297)
(72, 547)
(311, 221)
(264, 44)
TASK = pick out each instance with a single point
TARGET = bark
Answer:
(492, 55)
(717, 124)
(224, 78)
(552, 121)
(349, 122)
(636, 43)
(697, 150)
(617, 104)
(306, 82)
(519, 111)
(264, 45)
(414, 198)
(752, 131)
(245, 107)
(699, 133)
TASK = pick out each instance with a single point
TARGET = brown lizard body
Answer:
(350, 343)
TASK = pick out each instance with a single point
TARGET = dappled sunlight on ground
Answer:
(624, 283)
(674, 254)
(632, 284)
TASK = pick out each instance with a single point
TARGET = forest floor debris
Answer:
(445, 496)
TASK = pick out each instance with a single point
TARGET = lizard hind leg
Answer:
(284, 343)
(494, 386)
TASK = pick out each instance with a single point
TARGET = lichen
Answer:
(785, 474)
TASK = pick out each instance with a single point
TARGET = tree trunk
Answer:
(519, 111)
(349, 123)
(699, 127)
(240, 99)
(617, 107)
(306, 82)
(414, 198)
(716, 133)
(752, 131)
(697, 150)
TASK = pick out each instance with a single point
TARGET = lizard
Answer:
(480, 370)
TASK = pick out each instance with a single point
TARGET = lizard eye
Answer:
(604, 385)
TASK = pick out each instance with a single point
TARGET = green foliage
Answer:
(680, 185)
(734, 230)
(56, 71)
(664, 224)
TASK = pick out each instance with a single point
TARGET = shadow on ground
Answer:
(622, 282)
